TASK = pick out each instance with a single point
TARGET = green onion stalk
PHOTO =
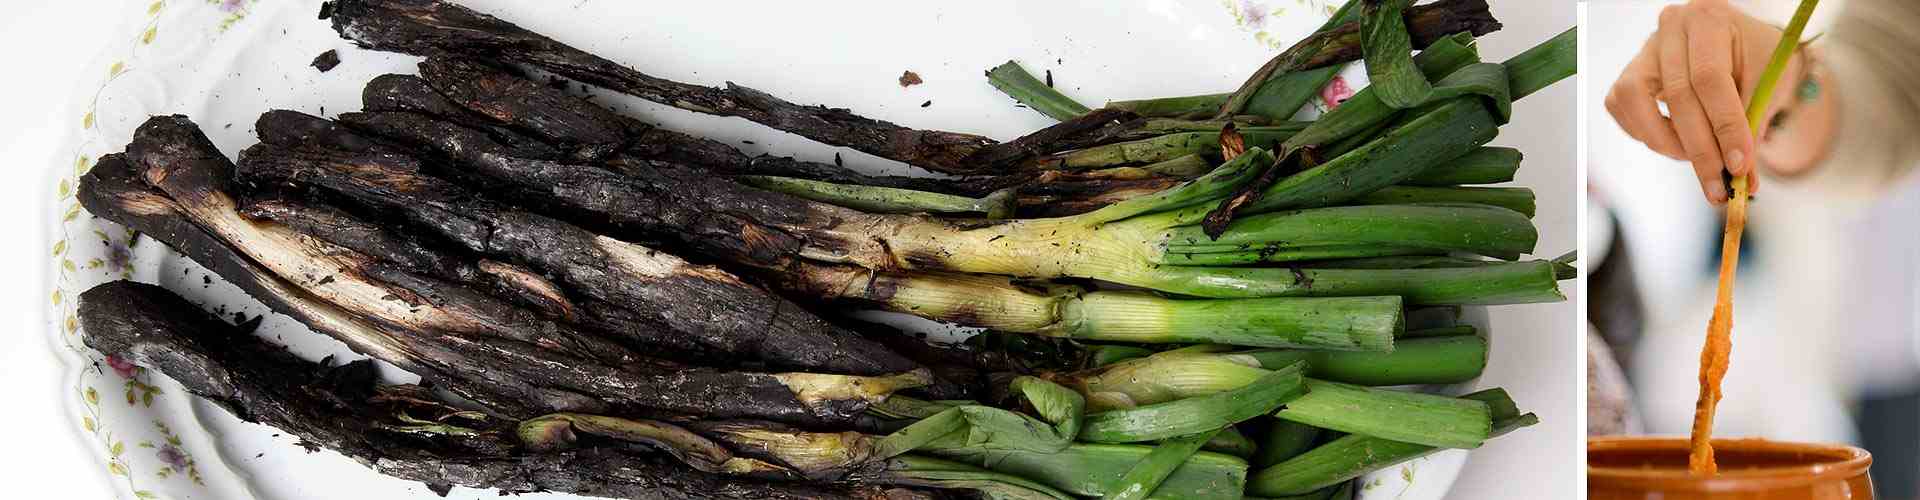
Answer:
(1562, 269)
(1145, 476)
(1016, 82)
(1355, 454)
(1195, 372)
(1065, 311)
(1203, 370)
(1485, 165)
(1475, 98)
(1096, 470)
(1519, 200)
(1135, 242)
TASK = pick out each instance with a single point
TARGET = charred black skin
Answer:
(427, 28)
(646, 199)
(490, 101)
(749, 337)
(715, 308)
(341, 409)
(586, 133)
(521, 286)
(113, 191)
(411, 93)
(530, 378)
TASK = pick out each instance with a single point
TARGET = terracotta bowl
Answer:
(1620, 468)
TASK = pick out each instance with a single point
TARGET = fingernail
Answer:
(1716, 193)
(1733, 161)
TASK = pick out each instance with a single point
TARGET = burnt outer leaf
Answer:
(329, 407)
(172, 154)
(645, 199)
(330, 224)
(588, 133)
(112, 190)
(1047, 193)
(642, 141)
(282, 126)
(714, 307)
(427, 28)
(1217, 220)
(393, 92)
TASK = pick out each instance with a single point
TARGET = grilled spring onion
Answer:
(1017, 83)
(1359, 231)
(1197, 414)
(1002, 304)
(1117, 244)
(1202, 370)
(1356, 454)
(1186, 373)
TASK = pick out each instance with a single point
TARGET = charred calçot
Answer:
(112, 190)
(472, 94)
(430, 27)
(716, 308)
(176, 179)
(489, 97)
(341, 408)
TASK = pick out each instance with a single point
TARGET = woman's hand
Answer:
(1703, 62)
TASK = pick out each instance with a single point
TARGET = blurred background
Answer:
(1825, 323)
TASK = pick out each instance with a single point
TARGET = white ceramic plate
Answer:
(222, 62)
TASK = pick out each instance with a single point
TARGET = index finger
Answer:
(1711, 58)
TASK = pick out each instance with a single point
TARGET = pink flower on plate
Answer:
(1255, 14)
(232, 5)
(122, 367)
(171, 455)
(1335, 92)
